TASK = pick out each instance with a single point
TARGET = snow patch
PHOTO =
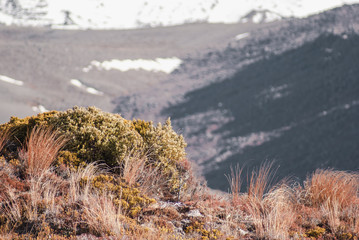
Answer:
(39, 109)
(76, 83)
(166, 65)
(346, 106)
(79, 84)
(11, 80)
(94, 91)
(241, 36)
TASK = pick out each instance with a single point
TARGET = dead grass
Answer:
(11, 206)
(270, 208)
(331, 187)
(146, 176)
(79, 182)
(67, 201)
(261, 180)
(134, 168)
(279, 212)
(40, 150)
(235, 183)
(102, 216)
(331, 211)
(335, 195)
(4, 136)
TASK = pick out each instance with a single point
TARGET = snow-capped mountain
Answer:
(120, 14)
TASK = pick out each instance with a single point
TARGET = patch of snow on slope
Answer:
(11, 81)
(39, 109)
(76, 83)
(241, 36)
(90, 90)
(111, 14)
(166, 65)
(346, 106)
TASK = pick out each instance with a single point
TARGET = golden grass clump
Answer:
(331, 187)
(270, 208)
(235, 183)
(41, 150)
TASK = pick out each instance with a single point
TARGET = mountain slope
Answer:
(264, 114)
(300, 108)
(105, 14)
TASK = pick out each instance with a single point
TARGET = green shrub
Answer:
(94, 135)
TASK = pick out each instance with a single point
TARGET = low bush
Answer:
(97, 136)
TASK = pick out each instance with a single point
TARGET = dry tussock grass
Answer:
(260, 180)
(335, 194)
(139, 172)
(265, 211)
(133, 168)
(102, 216)
(270, 208)
(40, 150)
(11, 205)
(4, 136)
(331, 187)
(79, 182)
(235, 183)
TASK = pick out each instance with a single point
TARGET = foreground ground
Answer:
(84, 180)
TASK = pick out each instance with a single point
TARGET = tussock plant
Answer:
(40, 150)
(4, 136)
(103, 216)
(270, 208)
(87, 174)
(331, 187)
(235, 183)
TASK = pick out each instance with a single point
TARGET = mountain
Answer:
(300, 108)
(107, 14)
(286, 93)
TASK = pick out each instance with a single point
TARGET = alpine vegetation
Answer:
(88, 174)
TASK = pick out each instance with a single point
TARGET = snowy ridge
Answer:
(120, 14)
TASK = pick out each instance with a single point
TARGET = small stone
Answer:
(194, 213)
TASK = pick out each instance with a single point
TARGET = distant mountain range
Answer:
(109, 14)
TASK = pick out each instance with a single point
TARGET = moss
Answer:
(130, 199)
(94, 135)
(316, 232)
(69, 159)
(198, 227)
